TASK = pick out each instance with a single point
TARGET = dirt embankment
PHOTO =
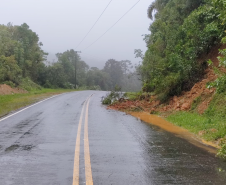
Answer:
(198, 99)
(6, 89)
(199, 92)
(183, 102)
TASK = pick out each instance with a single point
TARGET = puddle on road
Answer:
(15, 147)
(27, 147)
(12, 148)
(178, 131)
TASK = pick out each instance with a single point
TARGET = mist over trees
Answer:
(182, 31)
(23, 60)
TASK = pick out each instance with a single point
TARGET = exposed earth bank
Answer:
(197, 99)
(6, 89)
(183, 102)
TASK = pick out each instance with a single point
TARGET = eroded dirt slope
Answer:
(6, 89)
(199, 92)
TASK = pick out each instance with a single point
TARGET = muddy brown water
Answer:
(178, 131)
(176, 156)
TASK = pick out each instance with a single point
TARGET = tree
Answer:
(181, 32)
(9, 70)
(28, 51)
(114, 69)
(126, 66)
(157, 5)
(97, 77)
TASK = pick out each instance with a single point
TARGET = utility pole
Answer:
(76, 66)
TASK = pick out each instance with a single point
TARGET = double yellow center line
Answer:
(88, 171)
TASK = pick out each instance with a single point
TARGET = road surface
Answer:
(73, 139)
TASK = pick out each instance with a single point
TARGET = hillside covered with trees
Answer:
(184, 68)
(182, 34)
(23, 64)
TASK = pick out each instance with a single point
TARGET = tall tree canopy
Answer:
(22, 60)
(182, 30)
(21, 45)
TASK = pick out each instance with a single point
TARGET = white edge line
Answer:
(29, 107)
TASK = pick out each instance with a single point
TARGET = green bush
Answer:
(47, 84)
(196, 102)
(10, 83)
(106, 101)
(9, 70)
(113, 96)
(29, 85)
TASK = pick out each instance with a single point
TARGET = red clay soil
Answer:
(6, 89)
(183, 102)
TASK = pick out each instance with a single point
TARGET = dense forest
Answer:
(23, 64)
(181, 33)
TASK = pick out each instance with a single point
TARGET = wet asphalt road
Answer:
(37, 147)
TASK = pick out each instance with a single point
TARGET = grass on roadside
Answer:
(12, 102)
(131, 95)
(211, 125)
(210, 129)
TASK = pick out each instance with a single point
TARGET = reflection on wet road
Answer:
(38, 146)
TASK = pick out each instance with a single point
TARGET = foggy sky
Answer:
(62, 24)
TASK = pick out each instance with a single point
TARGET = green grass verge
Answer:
(210, 129)
(211, 126)
(12, 102)
(131, 95)
(212, 123)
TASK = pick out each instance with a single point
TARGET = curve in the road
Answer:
(27, 107)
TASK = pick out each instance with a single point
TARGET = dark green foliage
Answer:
(23, 63)
(29, 85)
(97, 77)
(10, 83)
(157, 5)
(106, 100)
(61, 74)
(113, 96)
(9, 70)
(20, 54)
(220, 82)
(217, 107)
(196, 102)
(181, 32)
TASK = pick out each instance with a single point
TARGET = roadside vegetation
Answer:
(180, 82)
(24, 67)
(13, 102)
(176, 59)
(210, 125)
(22, 60)
(182, 32)
(113, 96)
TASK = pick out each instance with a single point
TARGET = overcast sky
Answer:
(62, 24)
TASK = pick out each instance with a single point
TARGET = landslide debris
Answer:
(6, 89)
(176, 103)
(199, 97)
